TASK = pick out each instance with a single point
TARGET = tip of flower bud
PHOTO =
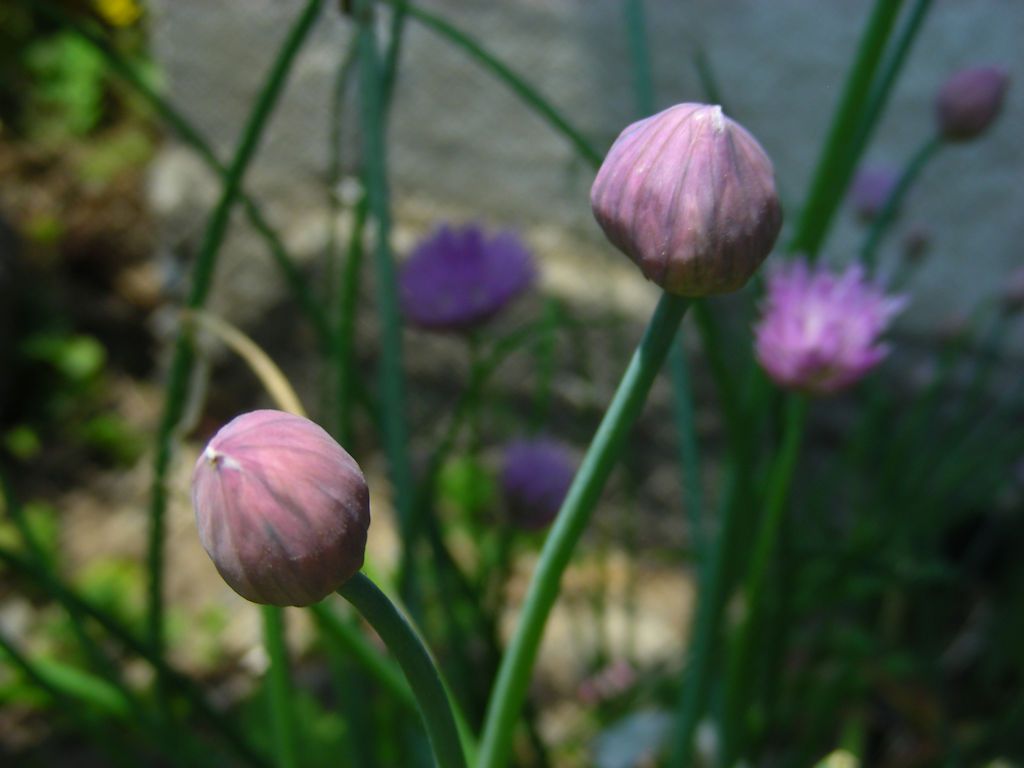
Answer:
(689, 195)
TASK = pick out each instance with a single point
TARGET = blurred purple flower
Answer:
(969, 101)
(870, 190)
(819, 332)
(457, 278)
(1013, 291)
(535, 476)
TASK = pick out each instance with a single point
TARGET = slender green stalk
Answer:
(689, 452)
(640, 55)
(885, 218)
(189, 134)
(202, 279)
(412, 655)
(344, 351)
(836, 162)
(708, 81)
(69, 700)
(72, 602)
(742, 653)
(891, 68)
(530, 96)
(509, 693)
(67, 682)
(392, 378)
(710, 607)
(91, 649)
(345, 634)
(279, 688)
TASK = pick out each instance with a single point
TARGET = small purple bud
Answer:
(1013, 292)
(819, 331)
(282, 509)
(535, 477)
(969, 101)
(689, 195)
(870, 190)
(456, 279)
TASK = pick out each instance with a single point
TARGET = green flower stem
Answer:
(68, 683)
(710, 607)
(689, 451)
(348, 303)
(91, 649)
(530, 96)
(885, 218)
(347, 635)
(742, 652)
(75, 604)
(891, 68)
(279, 688)
(640, 56)
(189, 134)
(837, 161)
(414, 658)
(509, 693)
(202, 279)
(392, 382)
(68, 700)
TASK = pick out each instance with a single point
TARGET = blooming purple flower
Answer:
(819, 331)
(456, 279)
(535, 476)
(871, 189)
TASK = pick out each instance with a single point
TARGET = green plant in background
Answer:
(68, 87)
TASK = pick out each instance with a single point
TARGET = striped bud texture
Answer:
(689, 195)
(282, 509)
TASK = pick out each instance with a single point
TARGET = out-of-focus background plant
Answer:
(808, 550)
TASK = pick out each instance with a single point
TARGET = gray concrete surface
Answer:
(462, 146)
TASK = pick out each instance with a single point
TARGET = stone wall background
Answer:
(463, 147)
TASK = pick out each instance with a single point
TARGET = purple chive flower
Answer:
(535, 477)
(456, 279)
(819, 331)
(871, 189)
(281, 508)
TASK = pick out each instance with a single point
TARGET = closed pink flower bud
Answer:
(969, 101)
(689, 195)
(282, 509)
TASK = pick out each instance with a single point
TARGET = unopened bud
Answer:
(969, 101)
(281, 508)
(689, 195)
(1013, 293)
(870, 191)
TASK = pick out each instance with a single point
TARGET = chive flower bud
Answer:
(819, 332)
(1013, 292)
(969, 101)
(535, 477)
(689, 195)
(458, 278)
(870, 191)
(282, 509)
